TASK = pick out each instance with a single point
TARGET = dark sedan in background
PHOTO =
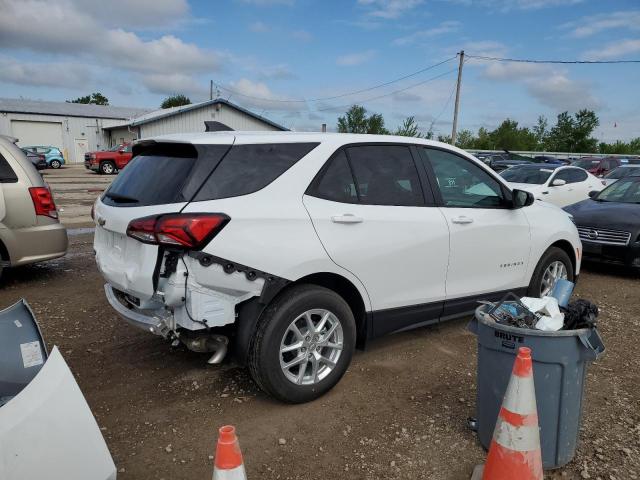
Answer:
(609, 223)
(39, 161)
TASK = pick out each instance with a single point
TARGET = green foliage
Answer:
(175, 101)
(409, 128)
(95, 98)
(571, 133)
(357, 121)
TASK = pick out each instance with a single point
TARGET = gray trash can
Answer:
(559, 368)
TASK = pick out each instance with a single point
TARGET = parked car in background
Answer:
(555, 184)
(621, 172)
(597, 166)
(298, 246)
(53, 156)
(110, 161)
(550, 159)
(29, 227)
(609, 223)
(37, 160)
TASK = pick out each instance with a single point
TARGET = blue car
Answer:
(52, 155)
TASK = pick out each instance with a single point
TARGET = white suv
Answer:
(298, 247)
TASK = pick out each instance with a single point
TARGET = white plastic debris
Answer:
(47, 431)
(552, 318)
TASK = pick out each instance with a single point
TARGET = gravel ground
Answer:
(399, 412)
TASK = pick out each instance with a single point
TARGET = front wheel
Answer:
(107, 168)
(55, 164)
(554, 265)
(303, 344)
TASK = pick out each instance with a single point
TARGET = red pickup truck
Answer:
(109, 161)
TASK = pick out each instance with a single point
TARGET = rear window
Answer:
(166, 173)
(249, 168)
(7, 175)
(156, 176)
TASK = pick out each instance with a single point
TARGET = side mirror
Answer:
(522, 198)
(593, 193)
(558, 182)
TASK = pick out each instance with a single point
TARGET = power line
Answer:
(437, 117)
(392, 93)
(342, 95)
(522, 60)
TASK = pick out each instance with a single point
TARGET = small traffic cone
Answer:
(515, 447)
(228, 463)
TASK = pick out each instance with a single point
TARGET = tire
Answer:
(107, 168)
(274, 330)
(55, 164)
(551, 256)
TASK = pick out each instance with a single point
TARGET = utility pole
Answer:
(211, 90)
(454, 130)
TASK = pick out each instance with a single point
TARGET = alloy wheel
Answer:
(311, 347)
(554, 272)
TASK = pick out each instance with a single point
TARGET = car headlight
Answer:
(571, 218)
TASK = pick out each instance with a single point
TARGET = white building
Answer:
(77, 128)
(74, 128)
(190, 119)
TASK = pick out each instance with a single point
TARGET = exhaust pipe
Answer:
(218, 344)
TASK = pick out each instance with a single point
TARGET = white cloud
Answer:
(175, 83)
(259, 27)
(259, 95)
(448, 26)
(509, 5)
(389, 9)
(614, 50)
(141, 14)
(61, 28)
(550, 86)
(56, 74)
(591, 25)
(302, 35)
(353, 59)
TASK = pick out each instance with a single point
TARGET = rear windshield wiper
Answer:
(116, 197)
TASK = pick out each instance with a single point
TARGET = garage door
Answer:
(37, 133)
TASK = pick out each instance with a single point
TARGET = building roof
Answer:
(168, 112)
(18, 105)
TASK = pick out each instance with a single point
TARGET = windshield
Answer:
(621, 172)
(623, 191)
(527, 174)
(586, 163)
(115, 148)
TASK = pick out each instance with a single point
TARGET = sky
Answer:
(298, 62)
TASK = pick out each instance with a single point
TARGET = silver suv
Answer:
(29, 227)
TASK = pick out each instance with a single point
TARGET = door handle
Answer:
(462, 220)
(346, 218)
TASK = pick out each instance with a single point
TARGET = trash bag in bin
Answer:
(559, 369)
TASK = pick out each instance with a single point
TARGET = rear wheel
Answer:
(55, 164)
(303, 344)
(554, 265)
(107, 168)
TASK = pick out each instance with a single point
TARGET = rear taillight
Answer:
(43, 202)
(41, 157)
(184, 230)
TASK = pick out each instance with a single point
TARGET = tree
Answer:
(541, 130)
(175, 101)
(409, 128)
(509, 136)
(357, 121)
(573, 134)
(95, 98)
(465, 139)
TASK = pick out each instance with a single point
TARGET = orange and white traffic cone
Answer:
(228, 463)
(515, 448)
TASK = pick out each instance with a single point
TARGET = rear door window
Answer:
(386, 175)
(336, 182)
(249, 168)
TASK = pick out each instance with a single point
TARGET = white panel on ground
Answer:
(48, 430)
(37, 133)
